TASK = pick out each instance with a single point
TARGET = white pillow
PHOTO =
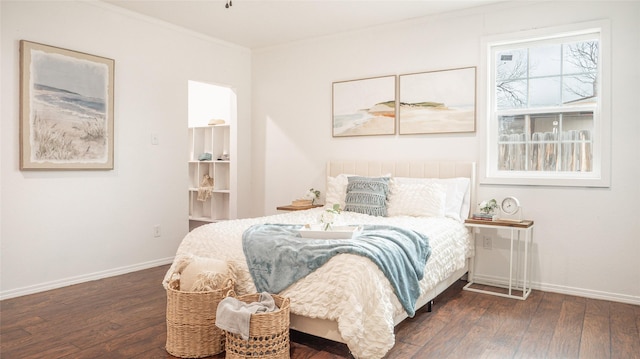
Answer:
(457, 201)
(336, 190)
(417, 200)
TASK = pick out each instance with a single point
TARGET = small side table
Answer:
(523, 283)
(289, 207)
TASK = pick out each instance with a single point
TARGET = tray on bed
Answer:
(316, 231)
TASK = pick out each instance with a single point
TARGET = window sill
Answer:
(544, 179)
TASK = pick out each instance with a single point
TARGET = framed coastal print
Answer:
(438, 101)
(66, 109)
(364, 107)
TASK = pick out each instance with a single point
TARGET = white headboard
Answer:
(417, 169)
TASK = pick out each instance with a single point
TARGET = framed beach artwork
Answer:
(438, 101)
(364, 107)
(66, 109)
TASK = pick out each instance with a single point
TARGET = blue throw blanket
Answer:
(277, 256)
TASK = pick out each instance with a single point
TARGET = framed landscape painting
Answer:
(66, 109)
(438, 101)
(364, 107)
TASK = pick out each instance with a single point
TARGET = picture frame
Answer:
(441, 101)
(364, 107)
(66, 109)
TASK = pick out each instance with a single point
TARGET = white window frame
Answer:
(600, 176)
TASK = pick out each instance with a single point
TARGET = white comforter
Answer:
(349, 289)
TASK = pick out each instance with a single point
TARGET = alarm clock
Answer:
(510, 207)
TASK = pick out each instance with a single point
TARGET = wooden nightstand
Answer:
(289, 207)
(522, 280)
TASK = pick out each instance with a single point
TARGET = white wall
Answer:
(60, 227)
(587, 241)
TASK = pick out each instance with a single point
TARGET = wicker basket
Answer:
(191, 321)
(268, 333)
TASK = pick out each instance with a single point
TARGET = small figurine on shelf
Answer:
(206, 188)
(223, 157)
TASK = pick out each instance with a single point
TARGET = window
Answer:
(547, 107)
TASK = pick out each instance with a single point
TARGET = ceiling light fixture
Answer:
(229, 4)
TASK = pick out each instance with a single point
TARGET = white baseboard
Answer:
(580, 292)
(18, 292)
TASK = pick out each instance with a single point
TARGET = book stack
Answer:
(302, 202)
(484, 216)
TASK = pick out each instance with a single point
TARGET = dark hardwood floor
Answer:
(124, 317)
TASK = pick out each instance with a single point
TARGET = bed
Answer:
(349, 299)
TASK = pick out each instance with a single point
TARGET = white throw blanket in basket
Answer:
(234, 315)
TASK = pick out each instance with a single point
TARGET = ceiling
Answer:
(262, 23)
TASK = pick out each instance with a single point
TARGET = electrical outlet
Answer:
(486, 242)
(156, 230)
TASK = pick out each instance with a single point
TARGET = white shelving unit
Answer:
(215, 140)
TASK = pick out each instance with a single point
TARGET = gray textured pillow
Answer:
(367, 195)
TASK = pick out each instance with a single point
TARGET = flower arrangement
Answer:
(488, 206)
(329, 216)
(312, 194)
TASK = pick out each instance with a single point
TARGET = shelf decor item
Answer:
(216, 121)
(487, 209)
(66, 109)
(301, 202)
(511, 210)
(510, 205)
(313, 195)
(308, 199)
(206, 188)
(485, 216)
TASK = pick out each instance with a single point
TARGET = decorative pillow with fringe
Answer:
(367, 195)
(203, 274)
(209, 281)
